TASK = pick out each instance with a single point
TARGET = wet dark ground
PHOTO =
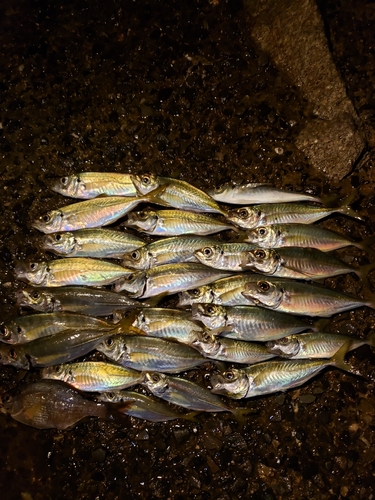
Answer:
(179, 89)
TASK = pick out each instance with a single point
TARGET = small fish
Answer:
(256, 193)
(178, 194)
(70, 271)
(14, 356)
(273, 376)
(299, 235)
(166, 251)
(28, 328)
(148, 353)
(172, 324)
(282, 213)
(230, 350)
(299, 263)
(90, 301)
(87, 185)
(88, 214)
(248, 322)
(142, 406)
(168, 279)
(94, 376)
(300, 298)
(225, 256)
(183, 393)
(315, 345)
(175, 223)
(96, 243)
(51, 404)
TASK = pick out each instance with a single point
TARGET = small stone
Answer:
(143, 435)
(307, 399)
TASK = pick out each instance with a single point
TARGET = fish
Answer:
(172, 324)
(34, 326)
(301, 298)
(178, 194)
(253, 216)
(226, 291)
(93, 376)
(256, 193)
(149, 353)
(96, 243)
(183, 392)
(299, 235)
(168, 279)
(142, 406)
(88, 214)
(90, 301)
(230, 350)
(225, 256)
(166, 251)
(87, 185)
(70, 271)
(273, 376)
(299, 263)
(248, 322)
(51, 404)
(175, 223)
(315, 345)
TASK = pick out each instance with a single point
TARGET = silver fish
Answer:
(299, 235)
(166, 251)
(272, 376)
(97, 243)
(281, 213)
(70, 271)
(225, 256)
(229, 350)
(301, 298)
(178, 194)
(149, 353)
(175, 222)
(256, 193)
(248, 322)
(90, 301)
(94, 376)
(86, 185)
(168, 278)
(315, 345)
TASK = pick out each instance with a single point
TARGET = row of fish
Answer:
(208, 274)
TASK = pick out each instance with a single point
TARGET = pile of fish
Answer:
(246, 295)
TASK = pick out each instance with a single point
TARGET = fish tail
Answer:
(320, 324)
(363, 272)
(366, 245)
(124, 326)
(346, 210)
(240, 414)
(339, 361)
(191, 416)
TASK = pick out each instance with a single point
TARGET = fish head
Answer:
(142, 322)
(14, 356)
(264, 260)
(133, 283)
(109, 397)
(232, 383)
(62, 243)
(212, 315)
(113, 347)
(11, 333)
(32, 272)
(212, 256)
(145, 183)
(189, 297)
(156, 382)
(50, 222)
(220, 192)
(137, 259)
(246, 217)
(38, 300)
(264, 292)
(287, 347)
(57, 372)
(264, 236)
(144, 220)
(205, 343)
(70, 185)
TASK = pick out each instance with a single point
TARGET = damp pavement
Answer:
(193, 90)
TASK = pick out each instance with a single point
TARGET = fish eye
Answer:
(57, 368)
(129, 277)
(35, 295)
(142, 215)
(229, 375)
(262, 231)
(260, 254)
(4, 331)
(135, 255)
(78, 179)
(6, 398)
(146, 179)
(109, 342)
(64, 181)
(110, 395)
(210, 309)
(259, 213)
(33, 266)
(58, 237)
(155, 377)
(19, 329)
(264, 285)
(46, 218)
(13, 353)
(195, 292)
(243, 213)
(207, 251)
(206, 337)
